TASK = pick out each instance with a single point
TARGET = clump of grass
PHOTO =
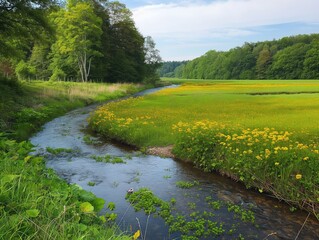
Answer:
(186, 184)
(108, 159)
(91, 184)
(57, 151)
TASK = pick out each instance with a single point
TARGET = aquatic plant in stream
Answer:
(57, 151)
(108, 159)
(195, 224)
(187, 184)
(267, 159)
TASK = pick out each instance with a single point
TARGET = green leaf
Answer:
(86, 196)
(82, 227)
(102, 218)
(86, 207)
(98, 204)
(33, 213)
(111, 206)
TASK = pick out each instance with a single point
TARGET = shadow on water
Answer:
(273, 220)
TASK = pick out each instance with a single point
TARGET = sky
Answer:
(185, 29)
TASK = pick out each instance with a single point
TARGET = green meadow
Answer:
(284, 105)
(263, 133)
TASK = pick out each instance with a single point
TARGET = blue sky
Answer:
(186, 29)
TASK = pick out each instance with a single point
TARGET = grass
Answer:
(216, 101)
(26, 106)
(263, 133)
(36, 204)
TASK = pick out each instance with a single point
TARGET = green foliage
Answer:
(57, 75)
(108, 159)
(34, 201)
(25, 71)
(89, 41)
(167, 69)
(78, 36)
(25, 107)
(194, 225)
(184, 184)
(57, 151)
(153, 61)
(22, 22)
(287, 58)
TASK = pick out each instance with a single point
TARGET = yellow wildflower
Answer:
(298, 176)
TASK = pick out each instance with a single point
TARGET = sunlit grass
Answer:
(25, 106)
(230, 103)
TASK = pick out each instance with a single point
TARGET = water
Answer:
(274, 219)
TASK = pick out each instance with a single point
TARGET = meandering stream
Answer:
(273, 220)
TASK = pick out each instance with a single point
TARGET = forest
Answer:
(295, 57)
(76, 40)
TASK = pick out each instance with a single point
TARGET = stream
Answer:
(273, 219)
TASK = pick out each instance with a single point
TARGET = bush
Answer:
(57, 75)
(25, 71)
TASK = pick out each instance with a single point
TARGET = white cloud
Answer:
(196, 20)
(163, 19)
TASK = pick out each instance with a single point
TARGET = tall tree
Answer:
(288, 63)
(153, 60)
(263, 62)
(126, 46)
(19, 20)
(311, 63)
(78, 36)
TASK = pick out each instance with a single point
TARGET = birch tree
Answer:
(78, 37)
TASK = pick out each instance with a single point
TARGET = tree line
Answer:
(295, 57)
(75, 39)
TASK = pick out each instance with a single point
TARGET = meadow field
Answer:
(263, 133)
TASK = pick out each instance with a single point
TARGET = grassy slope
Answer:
(216, 131)
(25, 107)
(34, 202)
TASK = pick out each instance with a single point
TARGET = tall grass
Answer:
(26, 106)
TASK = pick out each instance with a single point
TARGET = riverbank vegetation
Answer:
(263, 133)
(26, 106)
(294, 57)
(34, 202)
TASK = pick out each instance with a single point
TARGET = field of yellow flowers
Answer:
(263, 133)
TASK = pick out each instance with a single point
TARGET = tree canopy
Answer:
(22, 20)
(295, 57)
(80, 40)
